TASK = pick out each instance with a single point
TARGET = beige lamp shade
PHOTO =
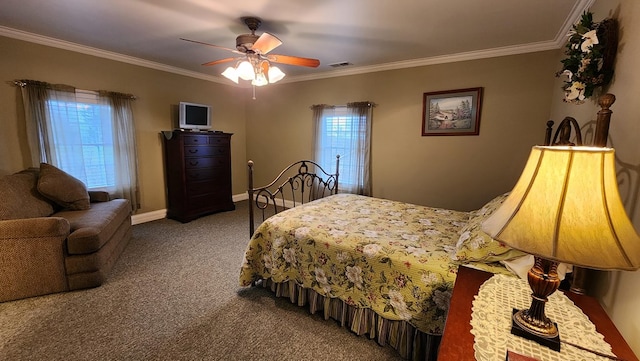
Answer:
(566, 207)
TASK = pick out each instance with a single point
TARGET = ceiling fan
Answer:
(253, 60)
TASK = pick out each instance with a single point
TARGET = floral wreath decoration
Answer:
(590, 51)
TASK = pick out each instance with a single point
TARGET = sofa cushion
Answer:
(20, 199)
(62, 188)
(92, 228)
(89, 270)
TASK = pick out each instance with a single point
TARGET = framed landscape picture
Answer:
(452, 112)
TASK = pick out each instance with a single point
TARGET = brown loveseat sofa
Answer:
(55, 235)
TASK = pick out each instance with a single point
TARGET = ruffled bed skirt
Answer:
(410, 343)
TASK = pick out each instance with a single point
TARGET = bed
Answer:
(379, 267)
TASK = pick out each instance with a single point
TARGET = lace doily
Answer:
(491, 324)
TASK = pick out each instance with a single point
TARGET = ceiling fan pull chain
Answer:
(254, 92)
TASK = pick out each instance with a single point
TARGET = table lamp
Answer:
(564, 208)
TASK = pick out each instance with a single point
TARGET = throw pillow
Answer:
(476, 246)
(20, 199)
(62, 188)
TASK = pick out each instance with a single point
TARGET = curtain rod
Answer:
(363, 103)
(24, 82)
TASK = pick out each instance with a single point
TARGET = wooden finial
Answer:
(604, 118)
(547, 133)
(606, 101)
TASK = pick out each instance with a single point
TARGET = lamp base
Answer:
(550, 342)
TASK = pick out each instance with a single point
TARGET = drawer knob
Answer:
(193, 151)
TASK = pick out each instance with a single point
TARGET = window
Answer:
(82, 133)
(341, 130)
(88, 134)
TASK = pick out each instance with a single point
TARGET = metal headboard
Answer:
(296, 184)
(563, 132)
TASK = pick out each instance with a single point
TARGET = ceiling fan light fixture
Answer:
(260, 80)
(254, 62)
(231, 74)
(245, 70)
(275, 74)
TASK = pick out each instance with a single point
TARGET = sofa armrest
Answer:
(99, 196)
(32, 255)
(34, 228)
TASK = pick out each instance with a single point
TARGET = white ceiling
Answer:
(371, 34)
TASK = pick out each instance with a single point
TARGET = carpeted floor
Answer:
(174, 295)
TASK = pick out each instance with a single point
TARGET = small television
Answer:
(194, 116)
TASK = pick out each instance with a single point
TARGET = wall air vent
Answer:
(341, 64)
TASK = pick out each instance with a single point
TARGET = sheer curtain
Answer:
(345, 130)
(124, 141)
(88, 134)
(35, 95)
(360, 113)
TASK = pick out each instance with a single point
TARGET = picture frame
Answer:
(452, 112)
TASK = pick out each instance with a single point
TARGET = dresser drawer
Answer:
(222, 141)
(205, 162)
(202, 151)
(205, 139)
(216, 185)
(195, 139)
(201, 174)
(207, 200)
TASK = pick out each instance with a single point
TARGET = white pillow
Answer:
(522, 265)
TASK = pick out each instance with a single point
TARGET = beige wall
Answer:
(458, 172)
(619, 291)
(156, 91)
(520, 94)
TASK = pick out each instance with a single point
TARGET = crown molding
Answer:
(83, 49)
(579, 8)
(451, 58)
(557, 43)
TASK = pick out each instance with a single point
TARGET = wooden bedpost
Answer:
(250, 193)
(602, 122)
(547, 133)
(582, 276)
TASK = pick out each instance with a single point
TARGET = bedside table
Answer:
(457, 340)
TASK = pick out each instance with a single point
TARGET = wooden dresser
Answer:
(198, 173)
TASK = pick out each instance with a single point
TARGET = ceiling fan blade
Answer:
(215, 46)
(225, 60)
(294, 60)
(265, 43)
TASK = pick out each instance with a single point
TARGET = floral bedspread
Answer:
(392, 257)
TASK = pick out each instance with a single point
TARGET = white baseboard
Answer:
(240, 197)
(148, 216)
(162, 213)
(287, 203)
